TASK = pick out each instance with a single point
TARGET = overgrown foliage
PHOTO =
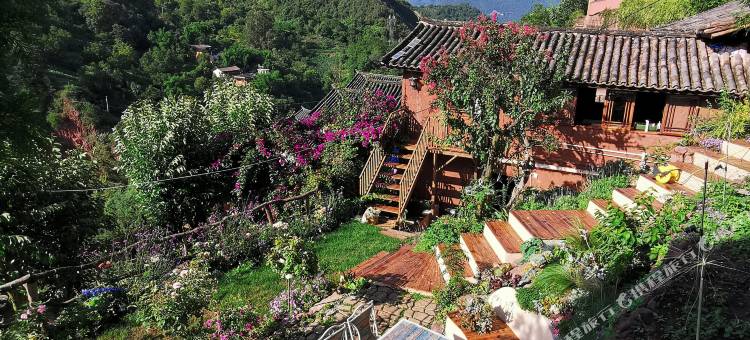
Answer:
(564, 14)
(649, 14)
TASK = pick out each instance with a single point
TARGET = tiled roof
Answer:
(655, 60)
(713, 23)
(361, 84)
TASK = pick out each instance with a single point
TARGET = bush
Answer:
(530, 247)
(236, 323)
(446, 229)
(292, 256)
(174, 304)
(291, 306)
(446, 298)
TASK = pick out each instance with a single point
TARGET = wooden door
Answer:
(618, 109)
(680, 112)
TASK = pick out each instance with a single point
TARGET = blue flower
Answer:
(89, 293)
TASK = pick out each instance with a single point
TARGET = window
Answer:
(588, 111)
(619, 108)
(649, 108)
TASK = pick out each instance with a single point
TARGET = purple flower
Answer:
(711, 144)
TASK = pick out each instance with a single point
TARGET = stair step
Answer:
(503, 240)
(400, 166)
(387, 209)
(445, 272)
(410, 147)
(393, 186)
(387, 197)
(734, 169)
(549, 224)
(598, 206)
(626, 197)
(691, 176)
(480, 254)
(662, 192)
(405, 156)
(739, 149)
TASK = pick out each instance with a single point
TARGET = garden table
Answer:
(405, 329)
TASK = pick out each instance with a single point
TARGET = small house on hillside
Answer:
(227, 71)
(633, 91)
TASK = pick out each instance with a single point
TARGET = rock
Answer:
(371, 216)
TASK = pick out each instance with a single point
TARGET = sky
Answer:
(510, 9)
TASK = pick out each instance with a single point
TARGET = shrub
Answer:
(476, 314)
(292, 256)
(530, 247)
(290, 305)
(446, 229)
(447, 297)
(236, 323)
(175, 303)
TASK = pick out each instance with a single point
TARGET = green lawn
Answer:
(337, 251)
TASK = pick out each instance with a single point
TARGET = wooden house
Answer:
(633, 91)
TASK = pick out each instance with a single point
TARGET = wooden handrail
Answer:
(418, 156)
(375, 161)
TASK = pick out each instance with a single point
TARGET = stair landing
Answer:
(404, 269)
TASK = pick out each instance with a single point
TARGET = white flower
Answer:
(184, 273)
(173, 294)
(281, 260)
(154, 259)
(177, 285)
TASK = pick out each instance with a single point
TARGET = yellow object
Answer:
(667, 174)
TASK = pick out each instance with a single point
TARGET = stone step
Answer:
(734, 169)
(549, 224)
(445, 272)
(662, 192)
(625, 198)
(739, 149)
(478, 251)
(503, 240)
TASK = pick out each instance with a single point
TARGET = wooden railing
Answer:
(415, 165)
(375, 161)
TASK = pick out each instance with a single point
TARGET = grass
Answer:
(337, 251)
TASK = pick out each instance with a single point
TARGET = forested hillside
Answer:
(449, 12)
(511, 9)
(103, 55)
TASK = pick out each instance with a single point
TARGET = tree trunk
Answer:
(525, 168)
(491, 159)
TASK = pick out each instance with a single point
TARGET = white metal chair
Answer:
(336, 332)
(362, 323)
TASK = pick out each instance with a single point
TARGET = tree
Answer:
(564, 14)
(498, 94)
(182, 135)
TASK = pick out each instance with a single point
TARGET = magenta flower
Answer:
(41, 309)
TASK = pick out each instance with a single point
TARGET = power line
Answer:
(182, 177)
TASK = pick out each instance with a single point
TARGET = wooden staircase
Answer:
(501, 241)
(391, 175)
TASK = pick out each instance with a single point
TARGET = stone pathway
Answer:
(391, 305)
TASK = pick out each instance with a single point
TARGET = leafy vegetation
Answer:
(649, 14)
(564, 14)
(459, 12)
(596, 187)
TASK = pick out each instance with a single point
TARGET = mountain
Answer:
(511, 9)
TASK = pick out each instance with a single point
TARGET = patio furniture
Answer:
(336, 332)
(405, 329)
(362, 323)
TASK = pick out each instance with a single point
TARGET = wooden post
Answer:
(433, 198)
(269, 216)
(31, 291)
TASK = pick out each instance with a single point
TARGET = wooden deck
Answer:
(404, 269)
(554, 224)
